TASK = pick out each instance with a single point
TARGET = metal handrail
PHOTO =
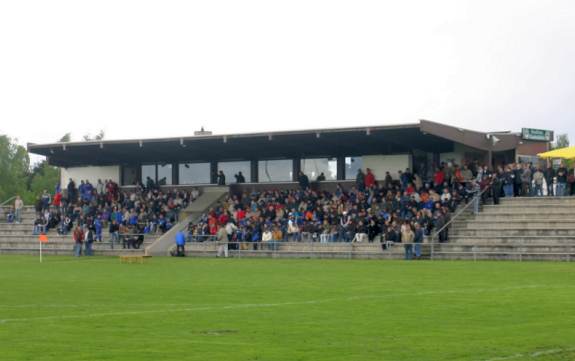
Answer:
(459, 212)
(7, 201)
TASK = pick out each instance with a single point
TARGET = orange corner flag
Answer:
(43, 238)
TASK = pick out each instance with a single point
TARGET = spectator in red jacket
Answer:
(369, 179)
(438, 177)
(78, 237)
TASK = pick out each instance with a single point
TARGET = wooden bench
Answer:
(133, 258)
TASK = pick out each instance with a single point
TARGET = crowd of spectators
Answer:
(404, 208)
(368, 211)
(527, 179)
(128, 215)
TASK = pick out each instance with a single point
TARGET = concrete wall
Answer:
(90, 173)
(379, 164)
(462, 154)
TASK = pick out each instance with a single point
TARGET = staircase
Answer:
(19, 239)
(210, 197)
(538, 228)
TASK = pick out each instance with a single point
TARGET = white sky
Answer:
(141, 69)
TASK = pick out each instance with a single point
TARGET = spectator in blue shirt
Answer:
(180, 244)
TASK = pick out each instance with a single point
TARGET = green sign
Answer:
(537, 134)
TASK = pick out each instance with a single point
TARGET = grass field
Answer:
(264, 309)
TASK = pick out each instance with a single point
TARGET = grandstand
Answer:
(520, 229)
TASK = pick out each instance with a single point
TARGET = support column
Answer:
(296, 167)
(175, 174)
(213, 172)
(254, 171)
(341, 168)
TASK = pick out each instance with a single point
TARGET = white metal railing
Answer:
(475, 201)
(350, 250)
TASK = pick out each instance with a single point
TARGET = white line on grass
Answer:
(552, 351)
(350, 298)
(268, 305)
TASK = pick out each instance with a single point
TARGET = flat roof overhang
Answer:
(395, 139)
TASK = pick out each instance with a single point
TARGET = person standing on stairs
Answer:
(78, 237)
(18, 207)
(418, 240)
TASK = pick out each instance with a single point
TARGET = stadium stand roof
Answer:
(388, 139)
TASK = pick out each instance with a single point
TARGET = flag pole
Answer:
(42, 238)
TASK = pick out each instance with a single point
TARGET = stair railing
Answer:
(7, 201)
(476, 200)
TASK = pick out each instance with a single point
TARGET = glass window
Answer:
(275, 170)
(148, 170)
(129, 175)
(313, 167)
(230, 169)
(352, 164)
(164, 174)
(194, 173)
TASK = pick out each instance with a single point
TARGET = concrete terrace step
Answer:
(455, 232)
(502, 224)
(569, 199)
(504, 256)
(530, 204)
(516, 240)
(69, 251)
(61, 245)
(539, 248)
(521, 217)
(306, 250)
(26, 222)
(54, 238)
(298, 254)
(529, 210)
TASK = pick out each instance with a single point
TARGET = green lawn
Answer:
(265, 309)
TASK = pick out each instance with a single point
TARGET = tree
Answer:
(100, 136)
(562, 141)
(14, 169)
(66, 138)
(16, 177)
(43, 176)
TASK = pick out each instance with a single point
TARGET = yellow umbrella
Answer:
(565, 153)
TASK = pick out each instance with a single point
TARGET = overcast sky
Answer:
(140, 69)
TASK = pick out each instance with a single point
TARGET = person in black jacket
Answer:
(303, 180)
(221, 178)
(373, 229)
(517, 175)
(418, 239)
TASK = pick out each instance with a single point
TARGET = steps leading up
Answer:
(209, 198)
(538, 228)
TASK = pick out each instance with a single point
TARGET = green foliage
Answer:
(99, 136)
(14, 169)
(66, 138)
(562, 141)
(44, 176)
(16, 177)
